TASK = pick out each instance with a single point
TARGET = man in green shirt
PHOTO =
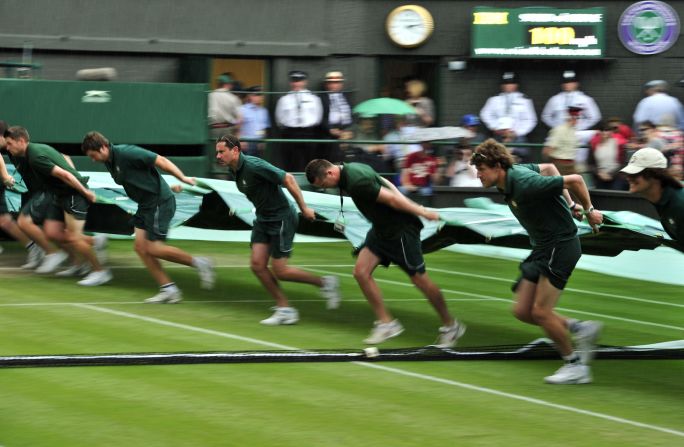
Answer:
(7, 222)
(136, 169)
(393, 238)
(70, 201)
(647, 176)
(274, 229)
(538, 197)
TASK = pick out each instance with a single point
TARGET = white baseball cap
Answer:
(645, 158)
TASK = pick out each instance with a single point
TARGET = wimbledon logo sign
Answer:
(649, 27)
(99, 96)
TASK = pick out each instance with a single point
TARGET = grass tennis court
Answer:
(469, 403)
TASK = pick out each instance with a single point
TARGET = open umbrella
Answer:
(384, 106)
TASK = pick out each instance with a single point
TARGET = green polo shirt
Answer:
(31, 182)
(42, 158)
(537, 202)
(671, 211)
(133, 168)
(261, 182)
(363, 184)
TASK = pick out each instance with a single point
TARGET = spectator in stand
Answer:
(471, 123)
(555, 111)
(606, 157)
(420, 174)
(255, 121)
(395, 153)
(622, 128)
(371, 154)
(337, 115)
(415, 96)
(673, 149)
(647, 137)
(658, 104)
(510, 115)
(460, 172)
(562, 143)
(298, 114)
(224, 108)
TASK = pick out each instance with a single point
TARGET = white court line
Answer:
(507, 300)
(473, 295)
(186, 302)
(394, 370)
(452, 272)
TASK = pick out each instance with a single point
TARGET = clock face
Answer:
(409, 26)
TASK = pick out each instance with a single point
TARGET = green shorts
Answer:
(41, 206)
(279, 235)
(556, 263)
(74, 204)
(405, 250)
(155, 220)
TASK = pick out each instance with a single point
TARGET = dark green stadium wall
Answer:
(162, 41)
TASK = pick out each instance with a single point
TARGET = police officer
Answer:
(555, 111)
(510, 115)
(298, 114)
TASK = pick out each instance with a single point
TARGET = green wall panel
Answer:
(137, 113)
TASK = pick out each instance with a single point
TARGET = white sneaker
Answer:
(51, 262)
(34, 258)
(449, 335)
(205, 268)
(96, 278)
(100, 247)
(384, 331)
(585, 339)
(331, 291)
(75, 270)
(570, 373)
(282, 315)
(167, 296)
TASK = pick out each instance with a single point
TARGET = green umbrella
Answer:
(384, 106)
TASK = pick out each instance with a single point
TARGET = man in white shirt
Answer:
(224, 108)
(555, 111)
(510, 115)
(298, 114)
(658, 106)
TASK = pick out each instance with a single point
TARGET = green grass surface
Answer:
(469, 403)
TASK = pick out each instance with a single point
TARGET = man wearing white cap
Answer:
(647, 176)
(555, 111)
(658, 107)
(337, 114)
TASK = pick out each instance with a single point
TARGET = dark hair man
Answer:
(136, 169)
(274, 228)
(393, 238)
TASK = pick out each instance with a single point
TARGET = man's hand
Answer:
(90, 196)
(8, 182)
(594, 218)
(177, 188)
(189, 180)
(309, 214)
(430, 215)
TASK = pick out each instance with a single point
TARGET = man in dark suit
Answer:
(337, 114)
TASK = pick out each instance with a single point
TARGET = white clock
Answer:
(409, 26)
